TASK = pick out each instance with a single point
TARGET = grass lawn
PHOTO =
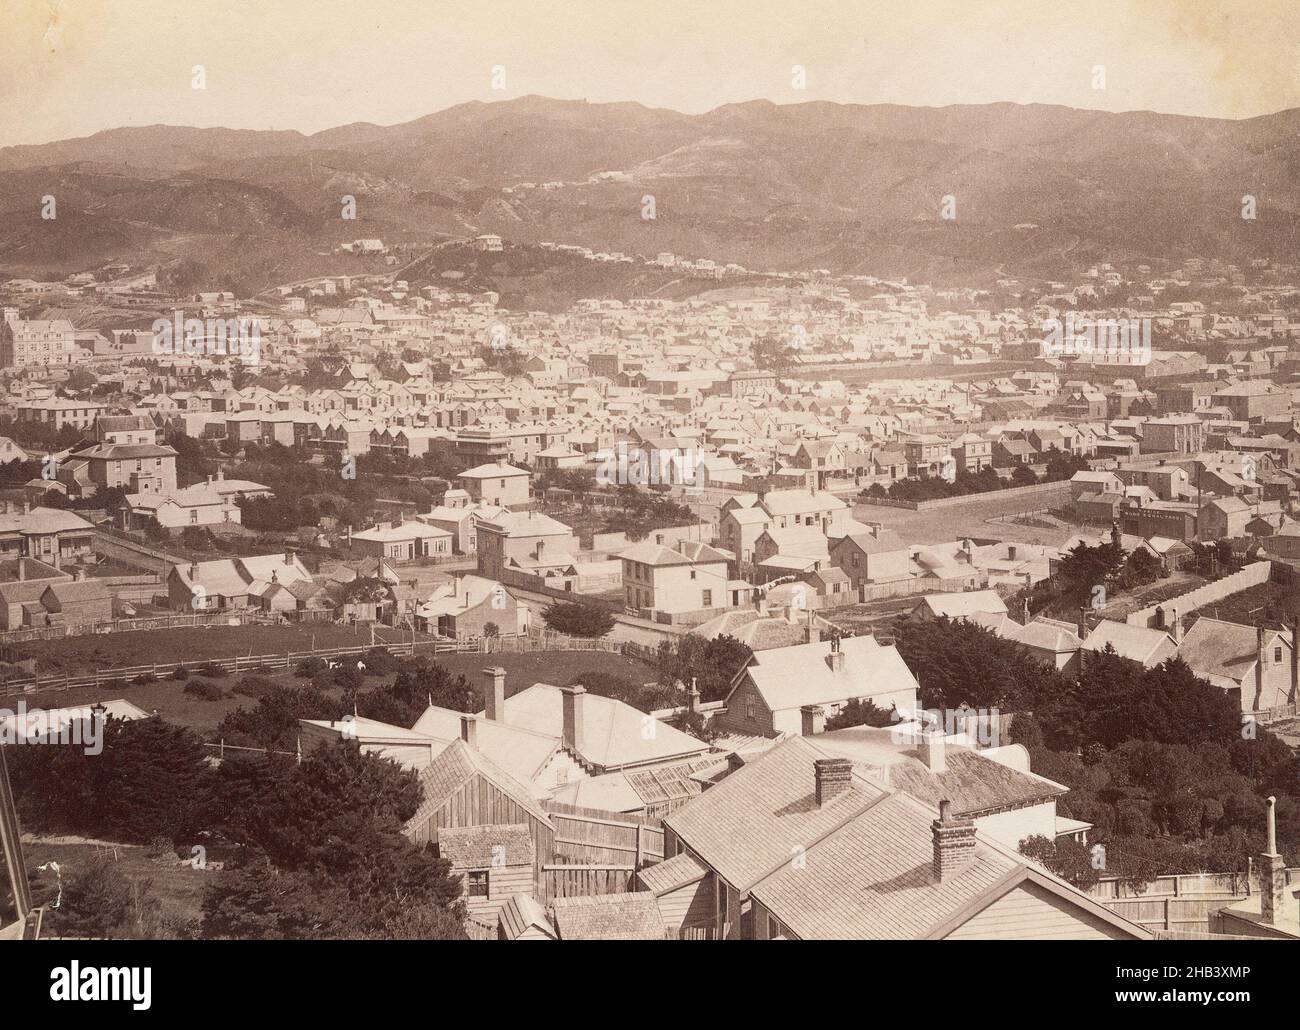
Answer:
(194, 644)
(1271, 603)
(176, 884)
(167, 697)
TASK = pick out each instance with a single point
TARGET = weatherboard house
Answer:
(793, 690)
(802, 844)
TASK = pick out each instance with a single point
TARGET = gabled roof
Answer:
(516, 750)
(521, 913)
(974, 783)
(676, 872)
(454, 767)
(873, 879)
(492, 471)
(487, 846)
(612, 732)
(1225, 650)
(749, 825)
(1138, 643)
(963, 603)
(791, 677)
(609, 917)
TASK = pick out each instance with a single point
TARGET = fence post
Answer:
(640, 853)
(1168, 924)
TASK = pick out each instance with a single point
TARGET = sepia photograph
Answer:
(595, 470)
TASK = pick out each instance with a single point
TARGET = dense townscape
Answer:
(764, 531)
(546, 519)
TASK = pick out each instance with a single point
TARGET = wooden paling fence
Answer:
(1185, 903)
(567, 881)
(598, 852)
(1185, 885)
(599, 837)
(1169, 913)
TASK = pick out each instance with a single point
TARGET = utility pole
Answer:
(11, 845)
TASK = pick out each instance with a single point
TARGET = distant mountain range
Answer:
(1039, 190)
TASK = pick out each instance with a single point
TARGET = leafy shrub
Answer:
(348, 676)
(204, 690)
(379, 662)
(254, 686)
(311, 667)
(212, 670)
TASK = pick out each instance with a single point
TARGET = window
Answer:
(692, 573)
(751, 710)
(1277, 655)
(708, 598)
(476, 883)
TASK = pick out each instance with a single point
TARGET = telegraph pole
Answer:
(11, 845)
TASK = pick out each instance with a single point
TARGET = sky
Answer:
(74, 67)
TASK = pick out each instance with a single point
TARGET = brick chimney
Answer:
(930, 750)
(573, 716)
(494, 693)
(954, 843)
(288, 556)
(835, 658)
(469, 730)
(1272, 875)
(693, 698)
(1175, 626)
(1083, 622)
(832, 777)
(814, 720)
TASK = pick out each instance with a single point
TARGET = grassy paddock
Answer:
(195, 644)
(168, 697)
(176, 884)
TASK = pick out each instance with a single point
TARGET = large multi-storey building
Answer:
(27, 343)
